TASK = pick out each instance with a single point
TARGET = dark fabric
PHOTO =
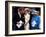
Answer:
(16, 19)
(30, 21)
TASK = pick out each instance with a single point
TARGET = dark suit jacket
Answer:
(16, 19)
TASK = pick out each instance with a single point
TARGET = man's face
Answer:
(21, 10)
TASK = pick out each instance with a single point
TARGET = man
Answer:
(18, 23)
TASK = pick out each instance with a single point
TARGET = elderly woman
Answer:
(35, 22)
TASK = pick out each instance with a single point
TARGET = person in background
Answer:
(28, 17)
(18, 23)
(35, 22)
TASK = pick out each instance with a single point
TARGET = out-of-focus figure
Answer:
(35, 22)
(27, 18)
(19, 19)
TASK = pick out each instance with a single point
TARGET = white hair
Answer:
(34, 11)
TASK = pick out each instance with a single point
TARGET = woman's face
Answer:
(27, 10)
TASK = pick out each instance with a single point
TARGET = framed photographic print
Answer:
(24, 18)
